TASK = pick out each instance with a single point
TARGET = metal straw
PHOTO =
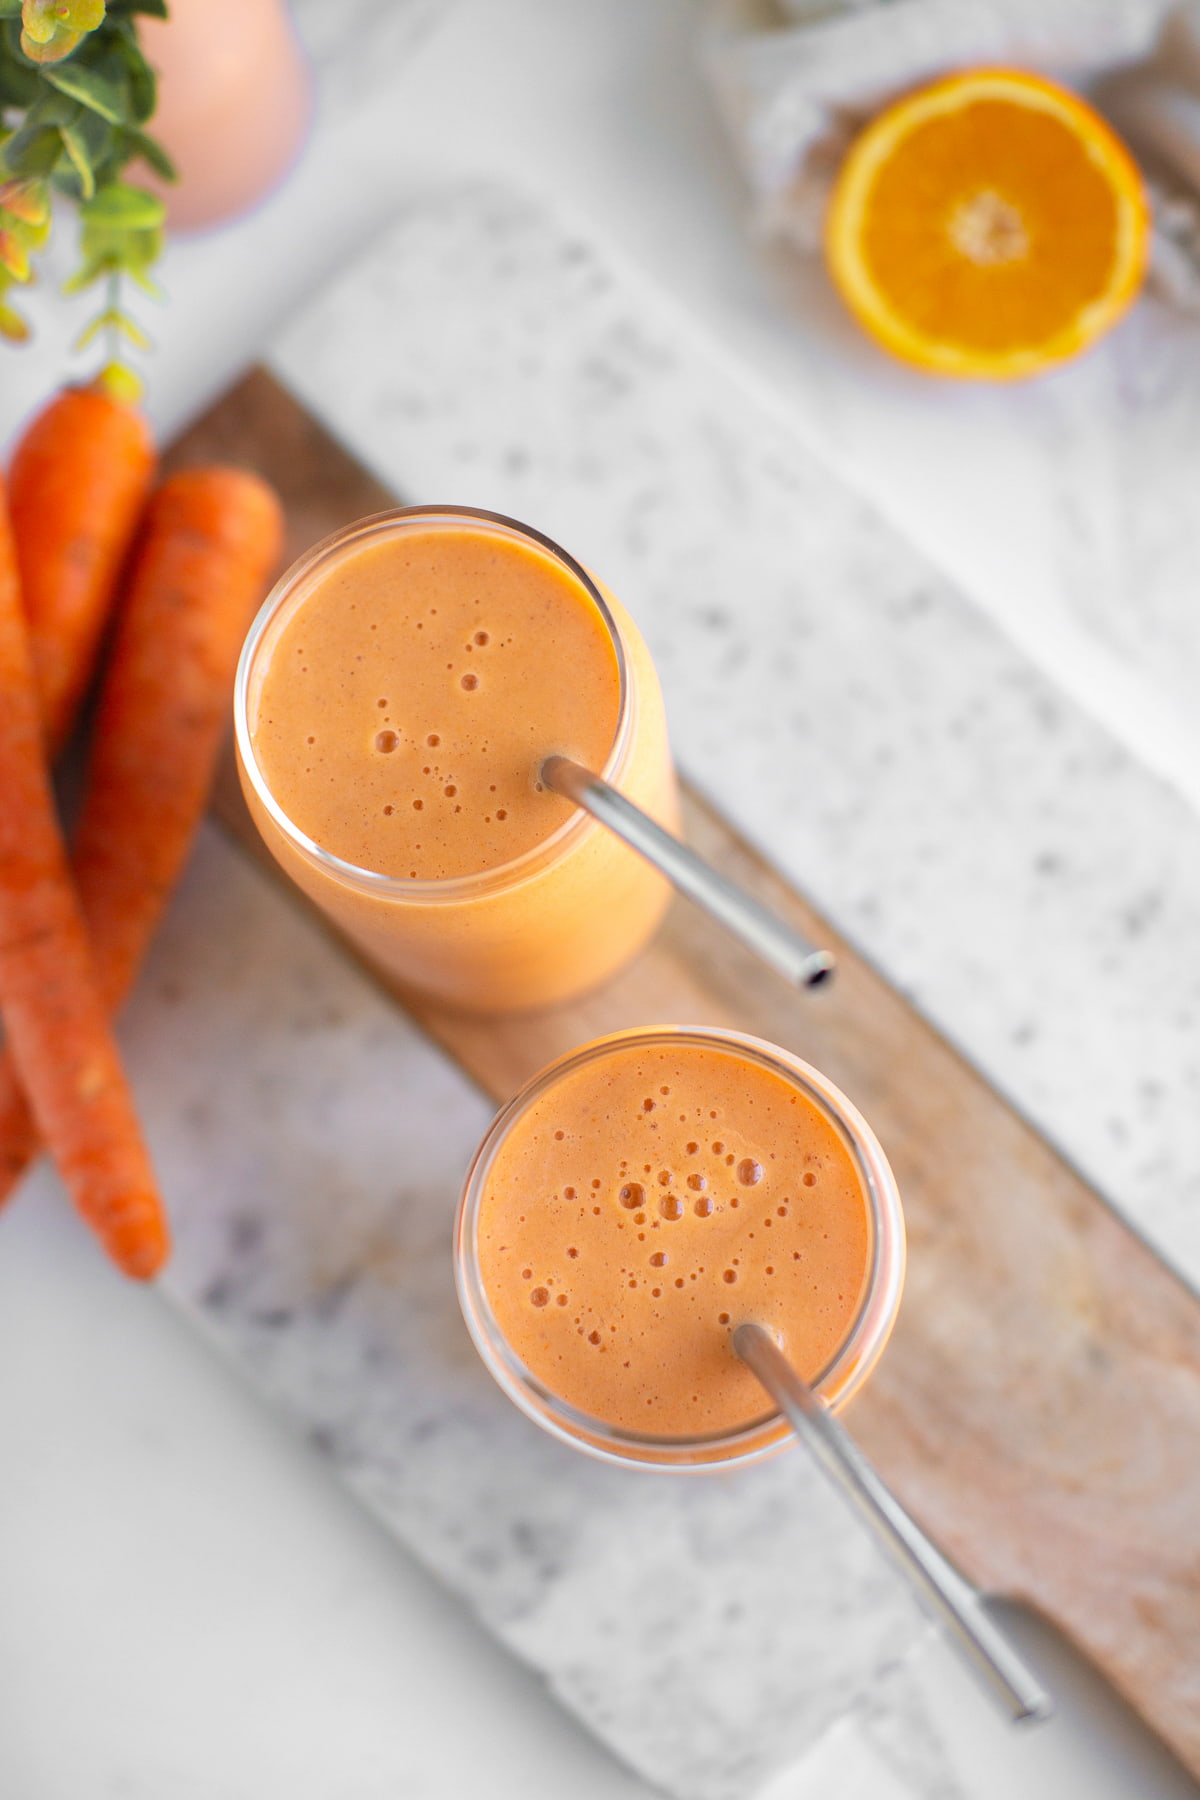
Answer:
(776, 943)
(945, 1593)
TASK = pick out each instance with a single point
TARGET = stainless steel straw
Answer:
(945, 1593)
(776, 943)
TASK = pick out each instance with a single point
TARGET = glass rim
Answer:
(578, 823)
(864, 1337)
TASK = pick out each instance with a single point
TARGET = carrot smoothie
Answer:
(396, 699)
(642, 1198)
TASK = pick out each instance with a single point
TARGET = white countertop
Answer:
(194, 1605)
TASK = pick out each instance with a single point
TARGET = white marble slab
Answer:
(997, 852)
(709, 1630)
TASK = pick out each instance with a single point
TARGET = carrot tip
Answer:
(141, 1249)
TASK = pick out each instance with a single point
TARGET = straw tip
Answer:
(818, 969)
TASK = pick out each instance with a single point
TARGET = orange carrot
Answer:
(211, 539)
(54, 1017)
(78, 481)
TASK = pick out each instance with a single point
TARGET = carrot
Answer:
(210, 541)
(54, 1017)
(77, 484)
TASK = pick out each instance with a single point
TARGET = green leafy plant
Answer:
(75, 96)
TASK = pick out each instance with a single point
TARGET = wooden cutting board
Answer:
(1038, 1408)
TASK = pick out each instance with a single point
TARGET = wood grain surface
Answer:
(1038, 1408)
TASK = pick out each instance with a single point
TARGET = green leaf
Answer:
(10, 9)
(43, 19)
(51, 49)
(91, 269)
(113, 319)
(89, 89)
(152, 152)
(98, 138)
(33, 150)
(77, 151)
(122, 63)
(12, 325)
(27, 233)
(53, 109)
(20, 85)
(153, 9)
(27, 199)
(143, 86)
(124, 208)
(14, 256)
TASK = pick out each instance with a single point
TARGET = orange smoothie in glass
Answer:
(640, 1199)
(396, 698)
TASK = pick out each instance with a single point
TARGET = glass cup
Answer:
(548, 925)
(851, 1360)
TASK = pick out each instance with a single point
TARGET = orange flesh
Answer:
(1054, 227)
(410, 697)
(648, 1202)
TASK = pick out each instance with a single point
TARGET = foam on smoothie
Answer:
(655, 1197)
(411, 695)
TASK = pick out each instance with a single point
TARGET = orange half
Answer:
(988, 226)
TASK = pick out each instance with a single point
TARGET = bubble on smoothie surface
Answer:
(540, 1296)
(469, 682)
(808, 1178)
(671, 1206)
(632, 1196)
(749, 1172)
(387, 741)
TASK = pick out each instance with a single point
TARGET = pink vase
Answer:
(234, 104)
